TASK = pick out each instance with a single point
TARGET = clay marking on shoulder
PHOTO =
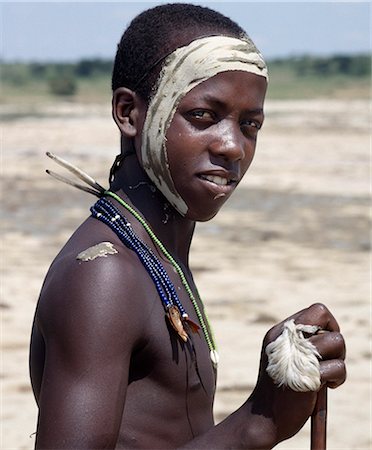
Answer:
(100, 250)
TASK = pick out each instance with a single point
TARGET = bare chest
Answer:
(171, 387)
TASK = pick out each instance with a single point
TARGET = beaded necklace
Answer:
(204, 324)
(107, 213)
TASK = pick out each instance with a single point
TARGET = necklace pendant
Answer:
(215, 358)
(174, 317)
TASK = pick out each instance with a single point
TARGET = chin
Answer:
(201, 216)
(203, 208)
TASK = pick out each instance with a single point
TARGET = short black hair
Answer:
(157, 32)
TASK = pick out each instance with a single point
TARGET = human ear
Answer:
(127, 111)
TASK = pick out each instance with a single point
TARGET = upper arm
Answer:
(90, 327)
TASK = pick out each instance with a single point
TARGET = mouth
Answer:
(218, 180)
(219, 185)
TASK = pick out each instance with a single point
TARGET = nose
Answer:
(227, 141)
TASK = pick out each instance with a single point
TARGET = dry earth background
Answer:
(295, 232)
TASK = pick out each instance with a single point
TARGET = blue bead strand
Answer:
(132, 244)
(104, 211)
(120, 225)
(143, 248)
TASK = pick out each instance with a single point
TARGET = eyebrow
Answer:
(221, 104)
(255, 111)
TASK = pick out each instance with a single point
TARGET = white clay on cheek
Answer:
(184, 69)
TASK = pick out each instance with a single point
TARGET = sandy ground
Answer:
(295, 232)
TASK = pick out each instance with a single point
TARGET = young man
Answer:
(122, 355)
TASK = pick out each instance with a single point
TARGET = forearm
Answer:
(243, 429)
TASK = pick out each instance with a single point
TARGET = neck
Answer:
(133, 185)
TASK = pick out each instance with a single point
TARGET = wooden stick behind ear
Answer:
(319, 422)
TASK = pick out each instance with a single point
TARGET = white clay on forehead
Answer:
(184, 69)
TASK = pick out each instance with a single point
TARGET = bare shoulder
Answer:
(95, 286)
(89, 323)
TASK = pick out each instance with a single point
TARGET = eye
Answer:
(251, 124)
(202, 114)
(250, 128)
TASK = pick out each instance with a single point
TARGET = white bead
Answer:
(214, 357)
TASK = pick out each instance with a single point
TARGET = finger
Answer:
(333, 372)
(276, 330)
(318, 314)
(330, 345)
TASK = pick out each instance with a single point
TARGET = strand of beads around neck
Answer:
(203, 323)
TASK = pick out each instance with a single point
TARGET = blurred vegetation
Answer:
(88, 80)
(338, 76)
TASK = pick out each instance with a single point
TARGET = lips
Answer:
(220, 178)
(220, 181)
(219, 184)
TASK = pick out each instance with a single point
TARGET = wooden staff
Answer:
(319, 422)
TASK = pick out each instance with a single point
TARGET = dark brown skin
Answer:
(107, 369)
